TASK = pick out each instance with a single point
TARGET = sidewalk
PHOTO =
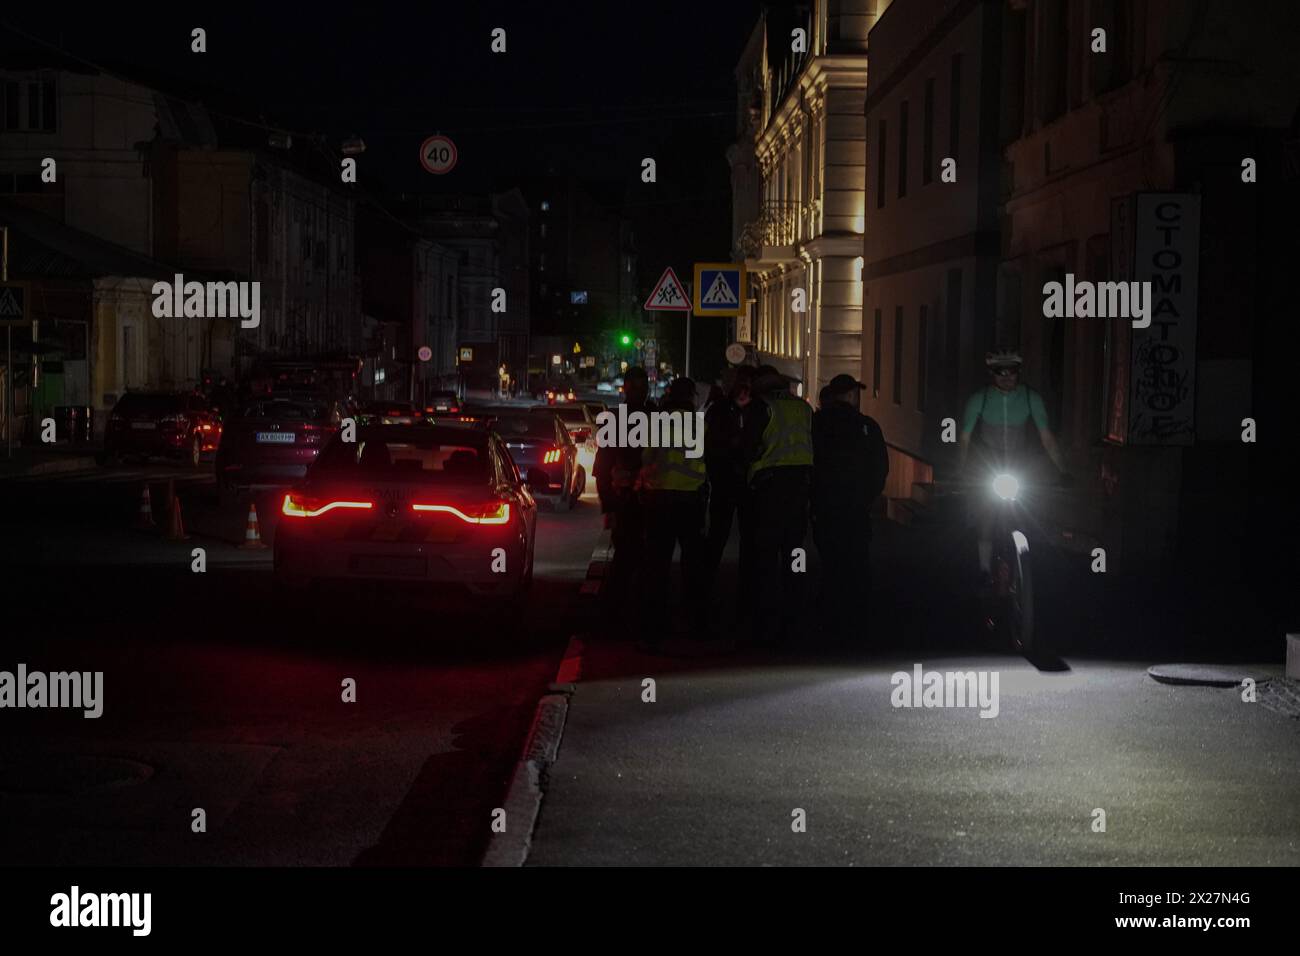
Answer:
(733, 745)
(46, 459)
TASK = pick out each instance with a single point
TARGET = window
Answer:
(880, 165)
(902, 149)
(922, 357)
(954, 107)
(898, 355)
(875, 358)
(30, 106)
(263, 233)
(1051, 59)
(927, 135)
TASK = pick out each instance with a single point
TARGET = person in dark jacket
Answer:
(729, 497)
(615, 470)
(850, 463)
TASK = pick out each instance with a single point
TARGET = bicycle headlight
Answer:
(1006, 487)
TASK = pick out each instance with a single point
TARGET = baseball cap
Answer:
(842, 383)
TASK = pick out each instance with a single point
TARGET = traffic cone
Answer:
(144, 517)
(175, 527)
(252, 536)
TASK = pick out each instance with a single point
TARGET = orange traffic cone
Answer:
(144, 518)
(252, 536)
(175, 527)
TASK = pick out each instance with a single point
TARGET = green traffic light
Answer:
(627, 340)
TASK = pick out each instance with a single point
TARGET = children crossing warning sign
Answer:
(668, 294)
(719, 288)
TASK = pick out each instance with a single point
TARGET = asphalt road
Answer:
(211, 703)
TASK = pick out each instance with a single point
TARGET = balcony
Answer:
(771, 238)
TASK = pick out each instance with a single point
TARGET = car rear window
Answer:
(534, 426)
(145, 404)
(286, 411)
(445, 457)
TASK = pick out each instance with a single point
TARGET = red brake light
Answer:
(297, 505)
(493, 512)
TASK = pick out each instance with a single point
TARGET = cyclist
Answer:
(1002, 410)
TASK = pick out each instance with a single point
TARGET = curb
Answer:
(542, 746)
(524, 798)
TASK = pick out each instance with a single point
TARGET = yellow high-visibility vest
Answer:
(668, 469)
(787, 439)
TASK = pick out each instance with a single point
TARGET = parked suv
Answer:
(162, 424)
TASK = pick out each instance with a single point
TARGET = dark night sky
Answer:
(588, 88)
(585, 87)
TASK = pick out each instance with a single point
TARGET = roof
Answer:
(41, 247)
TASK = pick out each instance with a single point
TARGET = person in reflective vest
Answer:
(673, 498)
(780, 451)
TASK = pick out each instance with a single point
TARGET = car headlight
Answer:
(1006, 487)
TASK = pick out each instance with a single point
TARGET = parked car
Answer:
(162, 424)
(273, 440)
(543, 450)
(411, 503)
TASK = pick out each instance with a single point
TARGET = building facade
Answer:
(931, 249)
(798, 185)
(1128, 164)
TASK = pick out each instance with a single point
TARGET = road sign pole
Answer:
(687, 373)
(9, 351)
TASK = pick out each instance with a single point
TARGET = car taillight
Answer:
(581, 434)
(297, 505)
(455, 409)
(551, 457)
(492, 512)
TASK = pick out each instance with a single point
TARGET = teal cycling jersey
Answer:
(1005, 409)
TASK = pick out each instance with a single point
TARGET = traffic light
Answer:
(626, 339)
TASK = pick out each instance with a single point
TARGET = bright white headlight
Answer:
(1006, 487)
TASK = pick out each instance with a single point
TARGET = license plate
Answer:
(144, 425)
(389, 564)
(276, 438)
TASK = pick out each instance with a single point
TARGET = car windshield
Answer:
(148, 404)
(286, 411)
(441, 457)
(532, 426)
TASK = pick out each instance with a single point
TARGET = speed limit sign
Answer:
(438, 155)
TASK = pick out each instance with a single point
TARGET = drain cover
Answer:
(1214, 675)
(68, 774)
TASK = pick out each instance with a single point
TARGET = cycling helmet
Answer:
(1003, 358)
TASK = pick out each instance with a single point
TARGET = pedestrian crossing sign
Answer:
(719, 288)
(13, 303)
